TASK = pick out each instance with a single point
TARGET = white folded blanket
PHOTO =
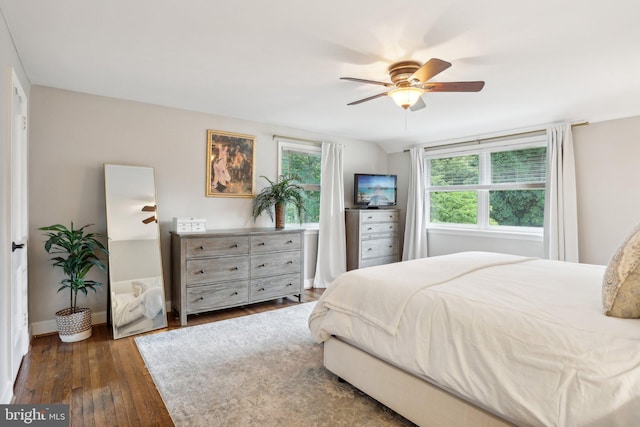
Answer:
(382, 305)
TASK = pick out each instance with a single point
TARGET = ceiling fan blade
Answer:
(419, 105)
(431, 68)
(360, 101)
(353, 79)
(454, 87)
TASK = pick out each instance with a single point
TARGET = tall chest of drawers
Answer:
(372, 237)
(219, 269)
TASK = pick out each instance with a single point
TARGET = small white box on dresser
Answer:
(182, 225)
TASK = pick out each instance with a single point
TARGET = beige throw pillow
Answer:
(621, 283)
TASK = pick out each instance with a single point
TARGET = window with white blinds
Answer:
(302, 160)
(494, 185)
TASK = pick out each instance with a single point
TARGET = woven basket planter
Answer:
(74, 326)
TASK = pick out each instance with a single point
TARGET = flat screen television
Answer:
(375, 191)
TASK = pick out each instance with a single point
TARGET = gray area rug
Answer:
(257, 370)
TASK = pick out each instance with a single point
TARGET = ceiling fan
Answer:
(409, 80)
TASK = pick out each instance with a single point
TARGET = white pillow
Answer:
(142, 285)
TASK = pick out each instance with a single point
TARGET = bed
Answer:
(480, 338)
(137, 305)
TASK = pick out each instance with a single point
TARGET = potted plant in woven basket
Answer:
(76, 253)
(277, 195)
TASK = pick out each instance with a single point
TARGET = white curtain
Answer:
(332, 252)
(561, 212)
(415, 232)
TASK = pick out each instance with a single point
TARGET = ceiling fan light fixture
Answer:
(405, 97)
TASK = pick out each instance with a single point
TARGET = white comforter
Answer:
(524, 338)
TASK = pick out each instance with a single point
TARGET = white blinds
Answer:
(519, 166)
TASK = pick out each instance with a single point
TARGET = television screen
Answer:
(372, 190)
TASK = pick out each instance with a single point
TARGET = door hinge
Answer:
(24, 122)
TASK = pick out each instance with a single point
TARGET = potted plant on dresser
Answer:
(76, 253)
(277, 195)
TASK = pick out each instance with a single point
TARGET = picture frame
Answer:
(230, 164)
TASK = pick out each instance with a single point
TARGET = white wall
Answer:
(606, 155)
(74, 134)
(8, 60)
(607, 158)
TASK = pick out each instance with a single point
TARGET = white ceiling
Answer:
(279, 61)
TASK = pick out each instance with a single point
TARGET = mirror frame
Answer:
(136, 282)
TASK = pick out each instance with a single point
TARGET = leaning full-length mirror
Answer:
(135, 267)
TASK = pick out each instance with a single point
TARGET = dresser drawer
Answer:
(379, 216)
(378, 261)
(217, 269)
(274, 287)
(379, 227)
(379, 248)
(275, 263)
(214, 246)
(207, 297)
(275, 242)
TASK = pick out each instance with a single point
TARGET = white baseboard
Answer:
(49, 326)
(97, 318)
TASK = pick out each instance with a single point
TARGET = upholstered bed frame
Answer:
(410, 396)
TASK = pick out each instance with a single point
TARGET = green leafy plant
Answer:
(76, 253)
(279, 193)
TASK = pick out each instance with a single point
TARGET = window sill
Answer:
(495, 234)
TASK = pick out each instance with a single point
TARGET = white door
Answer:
(19, 227)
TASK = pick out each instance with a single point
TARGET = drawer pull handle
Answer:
(262, 265)
(370, 228)
(261, 244)
(370, 217)
(234, 269)
(201, 247)
(390, 227)
(235, 245)
(201, 298)
(390, 246)
(370, 249)
(201, 272)
(235, 293)
(289, 242)
(261, 289)
(289, 284)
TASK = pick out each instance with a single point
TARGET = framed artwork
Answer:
(230, 164)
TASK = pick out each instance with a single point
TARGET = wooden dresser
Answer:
(372, 237)
(219, 269)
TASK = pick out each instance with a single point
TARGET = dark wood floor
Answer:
(105, 381)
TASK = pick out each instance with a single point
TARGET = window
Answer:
(499, 186)
(302, 160)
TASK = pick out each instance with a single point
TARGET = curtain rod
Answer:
(296, 139)
(494, 138)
